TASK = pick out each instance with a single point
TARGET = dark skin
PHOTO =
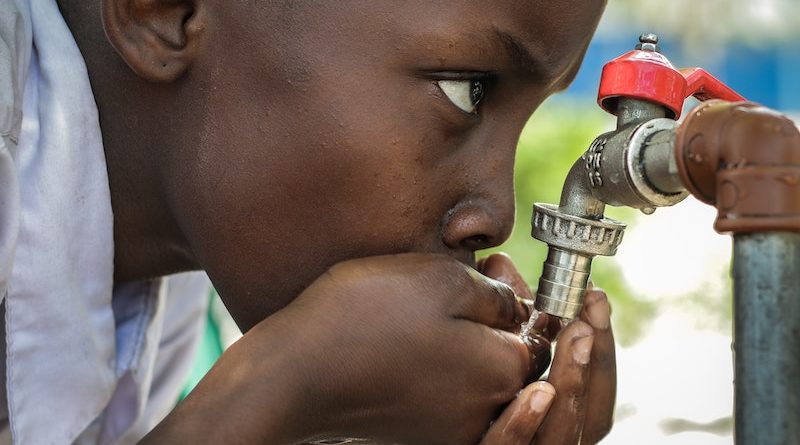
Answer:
(309, 157)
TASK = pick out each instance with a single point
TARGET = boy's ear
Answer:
(158, 39)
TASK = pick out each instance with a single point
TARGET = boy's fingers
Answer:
(500, 267)
(603, 369)
(569, 375)
(552, 325)
(521, 419)
(479, 264)
(540, 355)
(491, 303)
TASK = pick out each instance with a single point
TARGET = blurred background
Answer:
(669, 283)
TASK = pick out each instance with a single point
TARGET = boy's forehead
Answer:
(527, 18)
(540, 35)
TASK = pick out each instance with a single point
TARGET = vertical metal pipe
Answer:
(766, 271)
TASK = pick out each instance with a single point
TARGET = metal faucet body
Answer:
(615, 170)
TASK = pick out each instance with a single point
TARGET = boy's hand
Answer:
(408, 348)
(582, 378)
(411, 349)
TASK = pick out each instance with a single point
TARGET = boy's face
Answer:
(326, 132)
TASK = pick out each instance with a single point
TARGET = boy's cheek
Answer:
(358, 183)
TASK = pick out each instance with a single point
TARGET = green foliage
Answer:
(713, 306)
(551, 142)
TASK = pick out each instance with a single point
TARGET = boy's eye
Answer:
(465, 94)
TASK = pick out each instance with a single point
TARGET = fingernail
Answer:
(582, 348)
(597, 310)
(541, 399)
(522, 312)
(539, 349)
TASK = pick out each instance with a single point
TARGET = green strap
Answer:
(208, 352)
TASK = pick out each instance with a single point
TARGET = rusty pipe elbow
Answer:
(744, 159)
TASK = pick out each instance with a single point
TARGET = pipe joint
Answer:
(743, 159)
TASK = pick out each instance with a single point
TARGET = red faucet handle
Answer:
(641, 74)
(703, 86)
(646, 74)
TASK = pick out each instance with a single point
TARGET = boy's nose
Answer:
(479, 224)
(484, 217)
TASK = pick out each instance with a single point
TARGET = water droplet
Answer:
(526, 327)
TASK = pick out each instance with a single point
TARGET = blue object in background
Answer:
(753, 73)
(767, 74)
(788, 72)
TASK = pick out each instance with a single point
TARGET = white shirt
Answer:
(86, 361)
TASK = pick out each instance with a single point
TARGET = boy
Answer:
(333, 167)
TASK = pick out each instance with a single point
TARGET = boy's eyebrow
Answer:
(528, 58)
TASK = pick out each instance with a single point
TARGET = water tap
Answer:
(634, 165)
